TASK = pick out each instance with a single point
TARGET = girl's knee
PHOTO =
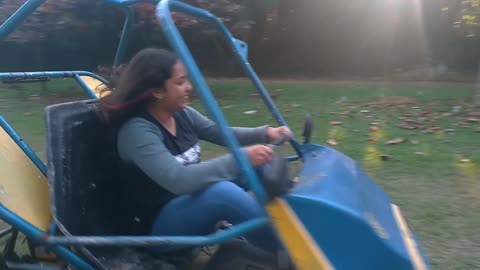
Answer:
(228, 193)
(223, 188)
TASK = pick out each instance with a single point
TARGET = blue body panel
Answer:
(347, 214)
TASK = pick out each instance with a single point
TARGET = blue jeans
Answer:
(198, 213)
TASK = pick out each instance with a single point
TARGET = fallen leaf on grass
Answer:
(250, 112)
(373, 129)
(385, 157)
(473, 120)
(332, 142)
(396, 141)
(411, 121)
(33, 97)
(424, 112)
(335, 123)
(405, 126)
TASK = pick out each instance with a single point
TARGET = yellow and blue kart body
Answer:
(343, 218)
(335, 217)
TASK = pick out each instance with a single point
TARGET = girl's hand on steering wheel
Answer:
(274, 133)
(259, 154)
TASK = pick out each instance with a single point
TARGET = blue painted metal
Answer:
(52, 228)
(242, 48)
(163, 14)
(18, 17)
(338, 203)
(41, 166)
(127, 27)
(164, 241)
(47, 74)
(85, 87)
(128, 2)
(22, 76)
(35, 234)
(206, 96)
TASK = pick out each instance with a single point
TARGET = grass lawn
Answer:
(432, 166)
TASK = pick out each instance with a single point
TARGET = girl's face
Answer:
(176, 93)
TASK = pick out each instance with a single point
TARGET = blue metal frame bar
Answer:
(85, 87)
(18, 17)
(20, 76)
(20, 224)
(143, 241)
(127, 27)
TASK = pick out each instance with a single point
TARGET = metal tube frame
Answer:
(47, 75)
(163, 14)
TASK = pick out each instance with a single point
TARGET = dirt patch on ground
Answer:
(394, 101)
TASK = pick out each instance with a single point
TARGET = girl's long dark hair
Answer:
(147, 70)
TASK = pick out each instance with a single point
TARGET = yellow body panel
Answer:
(98, 87)
(410, 243)
(305, 253)
(23, 187)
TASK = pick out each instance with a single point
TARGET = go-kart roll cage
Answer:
(171, 32)
(176, 41)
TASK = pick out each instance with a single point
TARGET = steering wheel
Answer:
(274, 175)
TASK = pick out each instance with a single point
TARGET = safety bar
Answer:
(170, 241)
(47, 75)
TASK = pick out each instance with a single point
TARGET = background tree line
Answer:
(412, 39)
